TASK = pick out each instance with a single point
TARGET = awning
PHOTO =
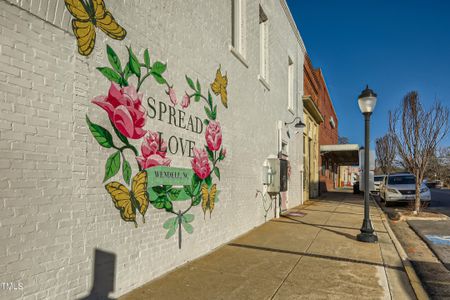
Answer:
(342, 154)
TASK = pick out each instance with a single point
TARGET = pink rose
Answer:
(125, 110)
(153, 151)
(186, 101)
(213, 136)
(224, 153)
(200, 163)
(172, 96)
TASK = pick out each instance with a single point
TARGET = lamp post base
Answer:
(367, 237)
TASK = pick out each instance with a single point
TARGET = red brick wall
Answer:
(315, 86)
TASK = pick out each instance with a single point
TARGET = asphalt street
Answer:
(440, 201)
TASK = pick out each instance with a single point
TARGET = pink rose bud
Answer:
(213, 136)
(186, 101)
(224, 153)
(153, 151)
(200, 163)
(172, 96)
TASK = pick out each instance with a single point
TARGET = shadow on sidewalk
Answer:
(335, 258)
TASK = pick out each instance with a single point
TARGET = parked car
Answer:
(377, 182)
(401, 187)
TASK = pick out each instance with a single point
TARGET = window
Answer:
(238, 29)
(264, 46)
(291, 85)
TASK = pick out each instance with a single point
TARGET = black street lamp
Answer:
(367, 101)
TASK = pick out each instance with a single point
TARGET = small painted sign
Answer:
(162, 175)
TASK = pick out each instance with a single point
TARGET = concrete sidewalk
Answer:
(314, 256)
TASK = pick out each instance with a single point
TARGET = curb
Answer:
(414, 280)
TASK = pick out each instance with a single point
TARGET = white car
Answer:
(401, 187)
(377, 180)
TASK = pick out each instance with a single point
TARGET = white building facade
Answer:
(56, 214)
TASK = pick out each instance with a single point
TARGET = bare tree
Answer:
(417, 132)
(343, 140)
(385, 150)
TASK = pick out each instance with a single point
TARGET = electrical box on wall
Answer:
(274, 166)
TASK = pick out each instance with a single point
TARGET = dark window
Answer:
(402, 180)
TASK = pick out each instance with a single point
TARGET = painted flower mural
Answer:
(125, 110)
(153, 152)
(127, 116)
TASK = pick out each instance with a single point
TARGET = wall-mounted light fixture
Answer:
(299, 125)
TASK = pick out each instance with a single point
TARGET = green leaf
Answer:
(123, 82)
(195, 181)
(147, 59)
(120, 135)
(135, 66)
(208, 113)
(188, 227)
(188, 191)
(197, 200)
(199, 88)
(208, 181)
(217, 172)
(197, 97)
(168, 206)
(188, 218)
(171, 232)
(110, 74)
(158, 202)
(112, 165)
(126, 171)
(159, 79)
(127, 72)
(159, 68)
(113, 59)
(174, 193)
(206, 122)
(210, 154)
(209, 99)
(190, 82)
(214, 112)
(160, 190)
(101, 135)
(169, 223)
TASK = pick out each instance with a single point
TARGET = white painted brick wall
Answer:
(54, 210)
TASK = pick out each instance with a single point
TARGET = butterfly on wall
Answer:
(89, 14)
(219, 87)
(126, 201)
(208, 198)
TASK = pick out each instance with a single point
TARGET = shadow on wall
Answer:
(104, 275)
(323, 187)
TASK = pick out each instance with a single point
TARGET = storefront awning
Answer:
(342, 154)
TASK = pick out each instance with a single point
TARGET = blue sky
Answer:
(394, 46)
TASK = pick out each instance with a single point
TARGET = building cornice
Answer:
(287, 11)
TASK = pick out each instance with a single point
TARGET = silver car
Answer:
(401, 187)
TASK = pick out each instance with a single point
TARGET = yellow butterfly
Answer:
(128, 201)
(219, 86)
(208, 198)
(89, 14)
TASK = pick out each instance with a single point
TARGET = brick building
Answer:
(326, 121)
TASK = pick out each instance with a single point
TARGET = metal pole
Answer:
(366, 234)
